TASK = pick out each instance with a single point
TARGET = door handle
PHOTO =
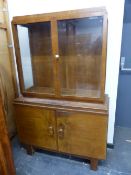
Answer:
(51, 131)
(57, 56)
(61, 131)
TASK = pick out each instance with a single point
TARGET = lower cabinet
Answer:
(77, 133)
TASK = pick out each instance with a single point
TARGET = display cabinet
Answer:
(61, 61)
(62, 55)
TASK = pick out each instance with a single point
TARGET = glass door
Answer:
(36, 57)
(80, 50)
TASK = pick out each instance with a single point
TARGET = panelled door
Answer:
(82, 134)
(36, 126)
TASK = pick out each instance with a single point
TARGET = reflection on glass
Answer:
(26, 56)
(36, 57)
(80, 48)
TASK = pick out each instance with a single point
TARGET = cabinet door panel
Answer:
(82, 134)
(36, 126)
(36, 60)
(80, 48)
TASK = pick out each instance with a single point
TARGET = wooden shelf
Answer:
(41, 90)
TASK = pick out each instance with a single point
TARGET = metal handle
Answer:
(61, 131)
(57, 56)
(51, 131)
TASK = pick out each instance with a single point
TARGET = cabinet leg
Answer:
(94, 164)
(29, 149)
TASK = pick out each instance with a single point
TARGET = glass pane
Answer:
(36, 57)
(80, 49)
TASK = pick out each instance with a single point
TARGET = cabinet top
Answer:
(98, 108)
(79, 13)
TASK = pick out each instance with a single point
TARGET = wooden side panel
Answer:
(82, 134)
(36, 126)
(6, 71)
(3, 166)
(1, 3)
(6, 160)
(6, 78)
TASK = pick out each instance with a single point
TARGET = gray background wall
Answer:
(123, 110)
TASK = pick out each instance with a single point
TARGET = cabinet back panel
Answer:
(40, 42)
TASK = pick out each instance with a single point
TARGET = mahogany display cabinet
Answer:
(61, 61)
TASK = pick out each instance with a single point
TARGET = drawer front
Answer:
(36, 126)
(82, 134)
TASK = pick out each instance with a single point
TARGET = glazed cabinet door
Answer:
(81, 57)
(82, 134)
(34, 58)
(36, 126)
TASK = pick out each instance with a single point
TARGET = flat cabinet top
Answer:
(100, 11)
(62, 55)
(66, 105)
